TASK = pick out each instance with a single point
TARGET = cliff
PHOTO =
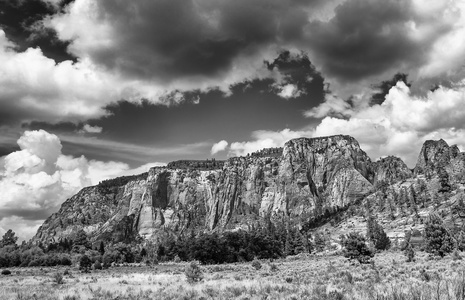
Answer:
(390, 169)
(304, 181)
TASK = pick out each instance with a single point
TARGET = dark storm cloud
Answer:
(172, 39)
(296, 68)
(60, 127)
(19, 19)
(198, 117)
(252, 105)
(367, 38)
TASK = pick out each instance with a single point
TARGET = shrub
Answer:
(256, 264)
(356, 248)
(193, 272)
(409, 253)
(438, 240)
(97, 265)
(424, 275)
(6, 272)
(456, 255)
(58, 278)
(273, 267)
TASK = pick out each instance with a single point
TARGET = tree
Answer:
(81, 239)
(319, 242)
(438, 240)
(85, 263)
(413, 200)
(8, 239)
(443, 180)
(356, 248)
(377, 235)
(403, 200)
(423, 192)
(101, 248)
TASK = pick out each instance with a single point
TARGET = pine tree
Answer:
(391, 201)
(81, 239)
(403, 200)
(443, 180)
(356, 248)
(85, 263)
(438, 240)
(319, 242)
(102, 248)
(413, 200)
(423, 192)
(377, 235)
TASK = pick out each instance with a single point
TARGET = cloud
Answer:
(265, 139)
(131, 50)
(36, 179)
(374, 39)
(332, 106)
(289, 91)
(401, 124)
(92, 129)
(218, 147)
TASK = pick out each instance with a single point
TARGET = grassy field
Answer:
(302, 277)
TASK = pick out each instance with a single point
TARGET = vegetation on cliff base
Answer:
(122, 180)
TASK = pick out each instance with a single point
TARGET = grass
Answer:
(303, 277)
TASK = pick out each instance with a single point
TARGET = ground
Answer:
(300, 277)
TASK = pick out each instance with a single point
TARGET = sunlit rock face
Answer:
(434, 156)
(305, 179)
(389, 170)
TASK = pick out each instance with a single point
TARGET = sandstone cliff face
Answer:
(309, 177)
(434, 156)
(390, 169)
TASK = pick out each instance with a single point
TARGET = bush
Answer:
(58, 278)
(438, 240)
(97, 265)
(356, 248)
(6, 272)
(256, 264)
(456, 255)
(409, 253)
(273, 267)
(193, 272)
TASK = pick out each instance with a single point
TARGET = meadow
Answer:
(316, 277)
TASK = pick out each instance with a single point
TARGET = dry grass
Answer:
(311, 277)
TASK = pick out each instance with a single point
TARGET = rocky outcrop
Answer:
(434, 157)
(311, 176)
(389, 170)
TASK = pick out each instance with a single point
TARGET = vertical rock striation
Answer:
(303, 180)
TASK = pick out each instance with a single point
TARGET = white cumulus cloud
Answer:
(401, 124)
(265, 139)
(218, 147)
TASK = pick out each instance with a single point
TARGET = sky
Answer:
(94, 89)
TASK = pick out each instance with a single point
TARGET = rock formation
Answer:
(390, 169)
(301, 182)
